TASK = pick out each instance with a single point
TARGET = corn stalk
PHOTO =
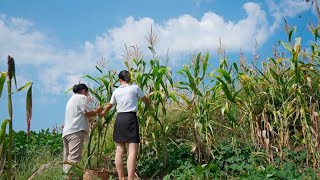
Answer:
(3, 142)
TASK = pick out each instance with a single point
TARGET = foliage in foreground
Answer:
(245, 162)
(39, 148)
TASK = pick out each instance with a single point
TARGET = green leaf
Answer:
(274, 75)
(225, 89)
(225, 74)
(290, 35)
(287, 46)
(205, 65)
(262, 74)
(3, 130)
(190, 78)
(70, 89)
(92, 78)
(3, 145)
(236, 67)
(23, 87)
(2, 81)
(98, 69)
(95, 94)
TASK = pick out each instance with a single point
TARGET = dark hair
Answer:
(124, 75)
(79, 87)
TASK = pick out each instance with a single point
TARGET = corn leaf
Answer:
(3, 145)
(92, 78)
(205, 65)
(2, 81)
(29, 108)
(225, 89)
(70, 89)
(225, 74)
(286, 46)
(23, 87)
(98, 69)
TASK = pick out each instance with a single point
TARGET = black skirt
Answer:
(126, 128)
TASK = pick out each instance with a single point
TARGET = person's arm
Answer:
(107, 108)
(86, 108)
(92, 113)
(146, 100)
(142, 96)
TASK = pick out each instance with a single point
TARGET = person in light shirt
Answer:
(126, 127)
(76, 124)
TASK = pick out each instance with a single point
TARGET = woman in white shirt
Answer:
(126, 127)
(76, 124)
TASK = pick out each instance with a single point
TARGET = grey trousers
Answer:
(72, 148)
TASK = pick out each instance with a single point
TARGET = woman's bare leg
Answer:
(119, 159)
(132, 159)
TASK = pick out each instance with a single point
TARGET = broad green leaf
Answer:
(190, 78)
(3, 130)
(139, 78)
(162, 71)
(2, 81)
(274, 75)
(168, 76)
(226, 75)
(3, 145)
(106, 83)
(236, 67)
(225, 89)
(205, 65)
(3, 156)
(287, 46)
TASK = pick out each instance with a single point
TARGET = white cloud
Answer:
(286, 9)
(58, 69)
(186, 34)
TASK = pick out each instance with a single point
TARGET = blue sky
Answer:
(54, 43)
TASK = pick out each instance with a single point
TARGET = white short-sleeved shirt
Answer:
(126, 97)
(75, 119)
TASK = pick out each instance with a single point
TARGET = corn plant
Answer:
(154, 79)
(199, 100)
(3, 142)
(101, 94)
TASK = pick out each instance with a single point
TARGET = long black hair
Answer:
(124, 75)
(79, 87)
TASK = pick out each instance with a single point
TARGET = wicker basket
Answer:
(91, 174)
